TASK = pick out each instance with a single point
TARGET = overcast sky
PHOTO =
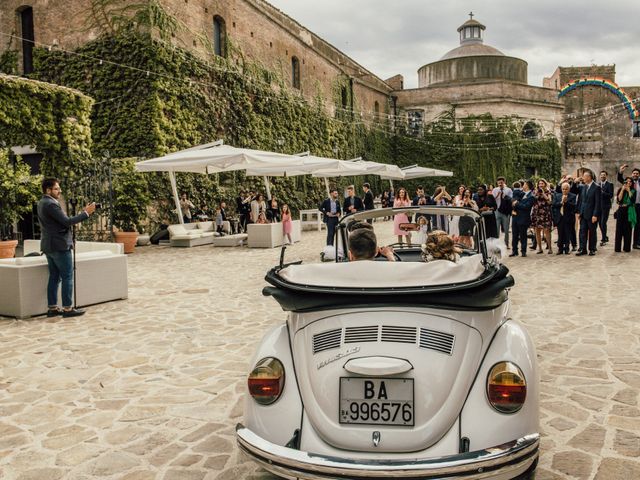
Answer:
(400, 36)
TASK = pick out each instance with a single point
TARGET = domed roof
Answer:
(471, 42)
(471, 50)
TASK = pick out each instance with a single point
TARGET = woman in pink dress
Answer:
(286, 222)
(402, 200)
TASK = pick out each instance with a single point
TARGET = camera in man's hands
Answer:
(98, 205)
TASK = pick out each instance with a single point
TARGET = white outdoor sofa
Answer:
(191, 234)
(101, 277)
(269, 235)
(202, 233)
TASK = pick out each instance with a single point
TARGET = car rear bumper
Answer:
(500, 462)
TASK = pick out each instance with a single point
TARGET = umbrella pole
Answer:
(267, 187)
(326, 184)
(391, 183)
(174, 189)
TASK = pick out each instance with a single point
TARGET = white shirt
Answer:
(506, 192)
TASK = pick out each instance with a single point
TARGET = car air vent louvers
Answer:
(327, 340)
(361, 334)
(398, 334)
(438, 341)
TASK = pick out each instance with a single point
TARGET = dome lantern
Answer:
(471, 31)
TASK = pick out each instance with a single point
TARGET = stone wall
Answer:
(499, 98)
(258, 30)
(564, 75)
(464, 69)
(613, 128)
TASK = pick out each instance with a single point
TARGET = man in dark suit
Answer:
(57, 243)
(589, 211)
(606, 189)
(330, 209)
(635, 176)
(368, 199)
(352, 203)
(564, 209)
(522, 202)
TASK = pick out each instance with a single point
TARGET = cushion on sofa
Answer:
(207, 235)
(177, 230)
(206, 226)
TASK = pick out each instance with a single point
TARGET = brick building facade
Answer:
(597, 130)
(255, 28)
(472, 79)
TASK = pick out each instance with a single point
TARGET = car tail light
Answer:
(506, 387)
(266, 381)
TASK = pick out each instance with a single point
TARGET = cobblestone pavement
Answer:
(151, 387)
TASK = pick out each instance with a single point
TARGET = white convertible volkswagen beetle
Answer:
(405, 369)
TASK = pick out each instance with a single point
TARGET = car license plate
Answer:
(376, 401)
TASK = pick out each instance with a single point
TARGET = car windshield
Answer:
(406, 229)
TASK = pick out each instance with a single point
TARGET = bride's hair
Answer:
(440, 246)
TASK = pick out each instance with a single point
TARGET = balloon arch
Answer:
(609, 85)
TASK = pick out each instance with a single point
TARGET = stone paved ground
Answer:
(151, 387)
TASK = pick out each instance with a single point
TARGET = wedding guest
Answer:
(626, 218)
(286, 222)
(258, 207)
(541, 218)
(402, 200)
(564, 209)
(186, 206)
(466, 223)
(635, 177)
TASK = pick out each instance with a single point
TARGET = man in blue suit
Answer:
(57, 243)
(522, 202)
(589, 211)
(330, 209)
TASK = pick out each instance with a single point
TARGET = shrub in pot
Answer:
(130, 200)
(19, 191)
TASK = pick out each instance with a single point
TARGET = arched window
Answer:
(27, 34)
(295, 72)
(219, 36)
(530, 130)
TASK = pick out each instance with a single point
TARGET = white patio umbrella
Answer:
(319, 167)
(215, 158)
(415, 171)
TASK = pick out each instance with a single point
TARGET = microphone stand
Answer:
(73, 202)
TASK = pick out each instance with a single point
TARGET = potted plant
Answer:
(130, 200)
(18, 193)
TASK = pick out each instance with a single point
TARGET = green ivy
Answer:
(19, 190)
(187, 101)
(53, 119)
(9, 62)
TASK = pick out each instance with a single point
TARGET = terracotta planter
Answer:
(8, 248)
(129, 240)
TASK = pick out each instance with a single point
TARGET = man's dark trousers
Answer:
(588, 231)
(331, 229)
(602, 221)
(519, 237)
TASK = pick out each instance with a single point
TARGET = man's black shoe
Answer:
(591, 254)
(514, 254)
(573, 249)
(54, 312)
(559, 252)
(74, 312)
(524, 254)
(636, 247)
(580, 253)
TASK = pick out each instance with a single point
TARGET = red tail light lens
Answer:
(266, 381)
(506, 387)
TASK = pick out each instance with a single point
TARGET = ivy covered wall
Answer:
(170, 99)
(53, 119)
